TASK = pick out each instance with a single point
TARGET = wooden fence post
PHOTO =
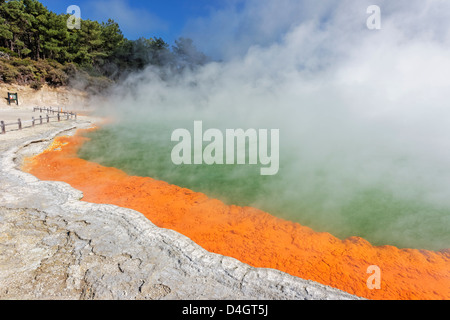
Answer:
(40, 118)
(59, 118)
(2, 124)
(20, 124)
(48, 118)
(32, 121)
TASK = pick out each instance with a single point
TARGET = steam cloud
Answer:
(363, 114)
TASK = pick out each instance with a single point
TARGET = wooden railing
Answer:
(56, 114)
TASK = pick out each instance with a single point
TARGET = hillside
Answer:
(37, 74)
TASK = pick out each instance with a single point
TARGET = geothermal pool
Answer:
(391, 205)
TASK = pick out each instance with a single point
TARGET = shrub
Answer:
(9, 73)
(42, 67)
(25, 70)
(9, 52)
(54, 64)
(26, 74)
(70, 69)
(36, 85)
(56, 78)
(22, 62)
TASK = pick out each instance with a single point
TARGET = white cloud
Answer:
(232, 30)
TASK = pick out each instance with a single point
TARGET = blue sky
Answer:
(224, 29)
(139, 18)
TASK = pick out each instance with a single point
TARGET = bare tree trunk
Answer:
(38, 47)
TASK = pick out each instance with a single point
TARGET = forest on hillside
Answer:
(37, 47)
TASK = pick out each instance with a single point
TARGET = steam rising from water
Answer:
(363, 118)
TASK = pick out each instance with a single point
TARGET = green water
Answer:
(325, 196)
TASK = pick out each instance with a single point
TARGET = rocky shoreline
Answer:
(55, 246)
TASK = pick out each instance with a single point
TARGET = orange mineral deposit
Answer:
(250, 235)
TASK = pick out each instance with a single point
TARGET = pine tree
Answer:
(38, 15)
(17, 21)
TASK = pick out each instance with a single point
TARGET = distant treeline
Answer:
(29, 31)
